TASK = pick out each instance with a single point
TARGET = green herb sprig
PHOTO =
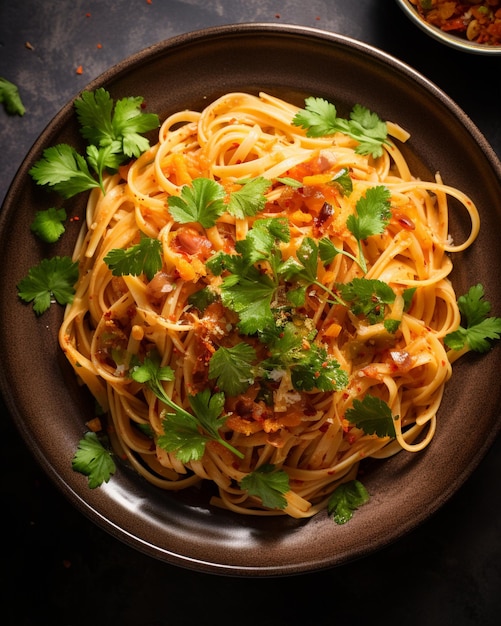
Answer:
(320, 119)
(114, 134)
(185, 433)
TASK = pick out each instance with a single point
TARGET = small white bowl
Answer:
(454, 41)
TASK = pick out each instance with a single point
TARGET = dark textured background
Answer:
(58, 568)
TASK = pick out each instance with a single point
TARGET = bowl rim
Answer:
(448, 39)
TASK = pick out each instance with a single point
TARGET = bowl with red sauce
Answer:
(469, 25)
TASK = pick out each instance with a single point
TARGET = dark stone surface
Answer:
(57, 567)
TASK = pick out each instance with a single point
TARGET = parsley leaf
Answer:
(261, 241)
(373, 416)
(113, 138)
(182, 437)
(268, 484)
(202, 298)
(343, 182)
(367, 128)
(320, 119)
(181, 428)
(345, 499)
(317, 370)
(51, 278)
(373, 213)
(10, 98)
(246, 289)
(120, 128)
(372, 216)
(202, 202)
(209, 411)
(309, 364)
(93, 460)
(367, 297)
(152, 373)
(182, 434)
(143, 257)
(63, 170)
(232, 367)
(250, 199)
(478, 329)
(304, 269)
(48, 224)
(250, 296)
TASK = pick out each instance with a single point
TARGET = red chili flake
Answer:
(99, 46)
(79, 70)
(75, 218)
(87, 15)
(149, 2)
(277, 15)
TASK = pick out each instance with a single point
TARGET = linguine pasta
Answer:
(114, 321)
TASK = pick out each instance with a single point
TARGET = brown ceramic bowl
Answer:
(50, 409)
(448, 38)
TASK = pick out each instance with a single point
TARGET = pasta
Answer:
(114, 321)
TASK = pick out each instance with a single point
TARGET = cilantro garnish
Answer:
(64, 171)
(320, 119)
(373, 416)
(202, 202)
(373, 213)
(48, 224)
(143, 257)
(232, 368)
(367, 297)
(303, 269)
(269, 484)
(342, 180)
(116, 124)
(182, 434)
(10, 98)
(262, 241)
(309, 364)
(202, 298)
(51, 278)
(250, 295)
(93, 460)
(345, 499)
(371, 218)
(290, 182)
(249, 199)
(245, 288)
(478, 329)
(113, 132)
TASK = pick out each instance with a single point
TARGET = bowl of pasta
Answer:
(261, 320)
(472, 26)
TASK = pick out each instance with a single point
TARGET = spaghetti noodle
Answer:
(301, 429)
